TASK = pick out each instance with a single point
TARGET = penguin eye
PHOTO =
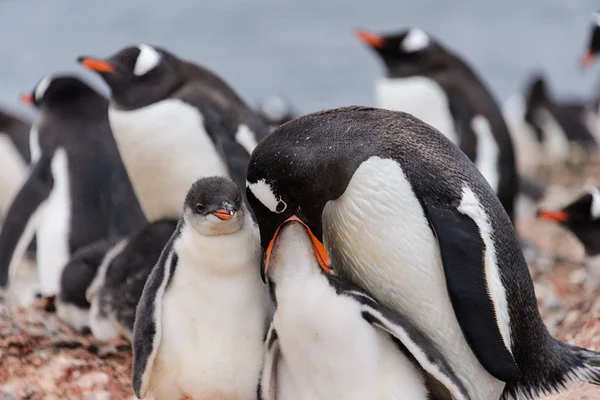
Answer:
(199, 208)
(281, 206)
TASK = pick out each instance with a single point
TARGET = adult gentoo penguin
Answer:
(14, 157)
(77, 190)
(204, 312)
(406, 217)
(117, 288)
(582, 217)
(174, 122)
(363, 350)
(437, 86)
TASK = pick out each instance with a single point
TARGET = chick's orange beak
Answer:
(96, 64)
(223, 214)
(320, 251)
(27, 98)
(371, 39)
(587, 60)
(558, 216)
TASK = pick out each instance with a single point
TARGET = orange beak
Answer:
(320, 251)
(27, 98)
(557, 216)
(223, 214)
(587, 60)
(371, 39)
(96, 64)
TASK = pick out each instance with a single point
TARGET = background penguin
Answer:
(117, 288)
(174, 122)
(14, 157)
(406, 217)
(428, 81)
(77, 190)
(363, 351)
(593, 44)
(204, 312)
(71, 304)
(582, 217)
(275, 110)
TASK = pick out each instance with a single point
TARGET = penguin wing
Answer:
(267, 386)
(416, 343)
(22, 217)
(463, 254)
(147, 333)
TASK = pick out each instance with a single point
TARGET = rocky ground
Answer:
(40, 358)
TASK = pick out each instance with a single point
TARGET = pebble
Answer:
(93, 379)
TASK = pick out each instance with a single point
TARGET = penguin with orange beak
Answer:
(582, 218)
(593, 43)
(363, 350)
(405, 216)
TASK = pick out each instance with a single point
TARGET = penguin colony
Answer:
(351, 253)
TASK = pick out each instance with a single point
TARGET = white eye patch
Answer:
(41, 87)
(415, 40)
(264, 193)
(147, 60)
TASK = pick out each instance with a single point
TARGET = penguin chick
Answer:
(329, 340)
(204, 311)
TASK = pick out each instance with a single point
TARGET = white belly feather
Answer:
(405, 273)
(420, 96)
(165, 149)
(53, 251)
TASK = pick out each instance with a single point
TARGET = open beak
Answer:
(225, 213)
(320, 251)
(371, 39)
(557, 216)
(587, 60)
(96, 64)
(27, 98)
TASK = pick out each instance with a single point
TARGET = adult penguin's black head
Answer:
(593, 42)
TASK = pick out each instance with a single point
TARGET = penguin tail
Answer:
(565, 365)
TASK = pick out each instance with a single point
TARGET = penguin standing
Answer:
(77, 190)
(406, 217)
(363, 350)
(117, 288)
(582, 218)
(428, 81)
(174, 122)
(14, 157)
(204, 311)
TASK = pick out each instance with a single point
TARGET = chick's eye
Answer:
(199, 207)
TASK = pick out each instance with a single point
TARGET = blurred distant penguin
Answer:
(117, 288)
(330, 340)
(204, 311)
(276, 110)
(174, 122)
(593, 47)
(14, 158)
(77, 191)
(427, 80)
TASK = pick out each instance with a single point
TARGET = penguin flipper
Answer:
(463, 253)
(22, 218)
(410, 339)
(267, 386)
(147, 328)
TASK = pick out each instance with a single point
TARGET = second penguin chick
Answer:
(204, 311)
(329, 340)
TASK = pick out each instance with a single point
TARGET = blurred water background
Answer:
(305, 50)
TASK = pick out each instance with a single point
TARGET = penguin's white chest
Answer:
(420, 96)
(165, 149)
(13, 172)
(328, 351)
(213, 327)
(378, 229)
(53, 250)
